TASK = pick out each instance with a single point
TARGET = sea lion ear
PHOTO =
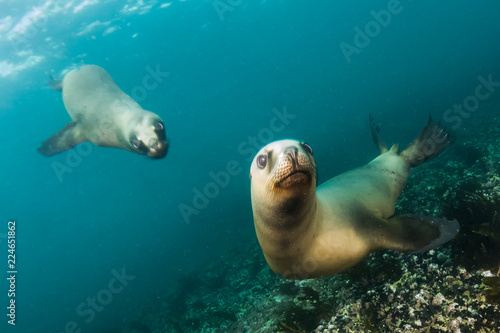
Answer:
(65, 139)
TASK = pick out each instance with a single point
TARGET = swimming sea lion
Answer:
(104, 115)
(308, 232)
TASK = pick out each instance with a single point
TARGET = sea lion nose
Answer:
(153, 143)
(292, 152)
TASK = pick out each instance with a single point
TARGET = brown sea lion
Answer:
(307, 232)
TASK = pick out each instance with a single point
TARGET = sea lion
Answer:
(105, 116)
(308, 232)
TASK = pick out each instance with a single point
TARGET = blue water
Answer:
(229, 75)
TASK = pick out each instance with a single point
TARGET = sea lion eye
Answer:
(159, 126)
(136, 143)
(307, 148)
(262, 161)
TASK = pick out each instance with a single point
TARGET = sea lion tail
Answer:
(432, 140)
(418, 233)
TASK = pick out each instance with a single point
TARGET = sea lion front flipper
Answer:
(65, 139)
(417, 233)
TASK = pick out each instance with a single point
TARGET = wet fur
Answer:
(102, 114)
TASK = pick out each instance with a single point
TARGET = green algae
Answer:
(493, 291)
(304, 313)
(479, 239)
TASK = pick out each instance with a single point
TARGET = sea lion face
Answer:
(148, 137)
(284, 170)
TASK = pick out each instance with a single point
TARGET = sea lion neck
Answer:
(292, 212)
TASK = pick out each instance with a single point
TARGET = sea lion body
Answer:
(105, 116)
(308, 232)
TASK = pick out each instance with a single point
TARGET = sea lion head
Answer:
(283, 175)
(283, 186)
(148, 136)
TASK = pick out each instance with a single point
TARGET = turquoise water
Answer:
(240, 75)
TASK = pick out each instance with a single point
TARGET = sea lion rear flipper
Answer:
(375, 129)
(65, 139)
(431, 141)
(417, 233)
(55, 84)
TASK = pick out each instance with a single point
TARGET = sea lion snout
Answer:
(157, 149)
(294, 167)
(149, 137)
(292, 152)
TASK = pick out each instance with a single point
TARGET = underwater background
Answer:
(113, 228)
